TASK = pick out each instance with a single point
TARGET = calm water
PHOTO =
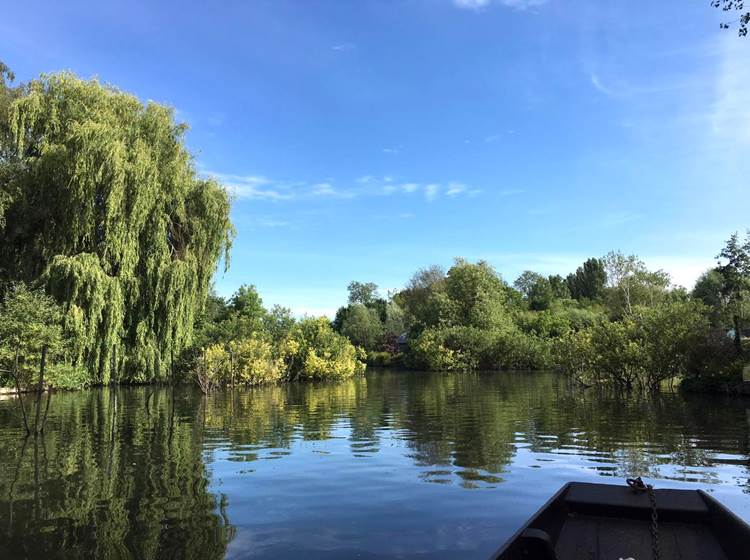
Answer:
(392, 465)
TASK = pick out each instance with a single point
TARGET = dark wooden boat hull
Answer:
(604, 521)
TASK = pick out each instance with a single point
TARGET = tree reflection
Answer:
(110, 478)
(126, 472)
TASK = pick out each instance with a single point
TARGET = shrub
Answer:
(385, 359)
(67, 377)
(315, 351)
(253, 361)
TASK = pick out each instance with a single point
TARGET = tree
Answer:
(475, 296)
(631, 283)
(31, 334)
(559, 287)
(108, 212)
(362, 326)
(419, 297)
(541, 295)
(588, 281)
(363, 292)
(525, 282)
(7, 166)
(536, 289)
(735, 273)
(737, 7)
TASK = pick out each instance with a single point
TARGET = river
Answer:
(394, 464)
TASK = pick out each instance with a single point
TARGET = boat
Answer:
(633, 521)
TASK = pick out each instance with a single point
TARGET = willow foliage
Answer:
(106, 209)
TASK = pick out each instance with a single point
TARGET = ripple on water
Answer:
(394, 464)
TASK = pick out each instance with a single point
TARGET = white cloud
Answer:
(344, 47)
(392, 151)
(523, 4)
(269, 222)
(597, 83)
(253, 187)
(478, 5)
(327, 189)
(258, 187)
(454, 189)
(471, 4)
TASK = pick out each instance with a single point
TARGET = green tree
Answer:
(476, 296)
(525, 282)
(631, 283)
(31, 338)
(588, 281)
(363, 292)
(108, 210)
(362, 326)
(735, 273)
(418, 299)
(559, 287)
(709, 287)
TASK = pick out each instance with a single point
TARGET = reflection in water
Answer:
(339, 470)
(117, 474)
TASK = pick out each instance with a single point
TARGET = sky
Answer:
(365, 139)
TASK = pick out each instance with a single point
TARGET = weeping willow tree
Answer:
(105, 209)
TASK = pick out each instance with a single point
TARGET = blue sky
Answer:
(365, 139)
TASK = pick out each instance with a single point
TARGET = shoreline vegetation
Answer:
(110, 238)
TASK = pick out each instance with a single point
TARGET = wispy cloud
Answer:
(454, 189)
(622, 87)
(597, 83)
(327, 189)
(730, 119)
(269, 222)
(478, 5)
(344, 47)
(250, 187)
(258, 187)
(392, 151)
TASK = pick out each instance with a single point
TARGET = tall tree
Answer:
(588, 281)
(108, 211)
(734, 267)
(363, 292)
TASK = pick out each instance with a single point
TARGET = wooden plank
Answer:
(592, 537)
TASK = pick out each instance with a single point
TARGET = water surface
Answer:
(390, 465)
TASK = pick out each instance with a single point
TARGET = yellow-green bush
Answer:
(315, 351)
(253, 361)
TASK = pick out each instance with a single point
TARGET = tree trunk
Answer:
(20, 395)
(737, 333)
(40, 390)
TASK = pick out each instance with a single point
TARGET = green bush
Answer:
(67, 377)
(384, 359)
(315, 351)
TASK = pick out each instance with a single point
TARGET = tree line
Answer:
(109, 239)
(611, 321)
